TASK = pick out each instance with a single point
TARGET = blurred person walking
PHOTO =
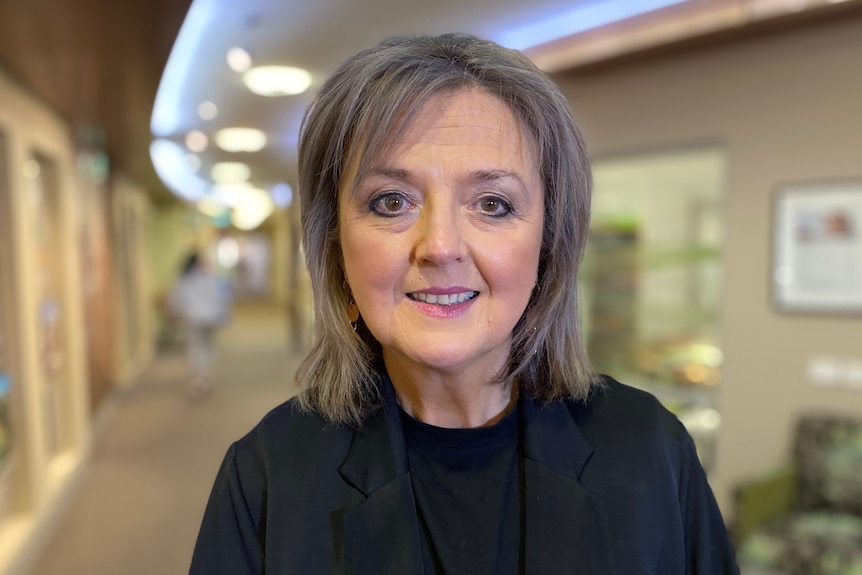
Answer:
(201, 301)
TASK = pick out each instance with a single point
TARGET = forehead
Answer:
(418, 122)
(470, 117)
(468, 122)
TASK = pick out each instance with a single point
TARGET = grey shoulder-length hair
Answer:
(353, 120)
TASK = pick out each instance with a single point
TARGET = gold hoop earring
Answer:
(352, 309)
(352, 314)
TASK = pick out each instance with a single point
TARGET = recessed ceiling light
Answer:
(252, 212)
(240, 139)
(207, 110)
(197, 141)
(248, 220)
(277, 80)
(211, 206)
(231, 195)
(230, 172)
(238, 59)
(250, 206)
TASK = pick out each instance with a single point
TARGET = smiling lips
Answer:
(443, 299)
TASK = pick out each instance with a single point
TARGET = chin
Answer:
(452, 359)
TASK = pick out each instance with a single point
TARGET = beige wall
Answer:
(173, 233)
(787, 107)
(300, 308)
(135, 301)
(280, 242)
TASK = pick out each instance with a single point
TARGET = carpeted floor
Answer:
(157, 452)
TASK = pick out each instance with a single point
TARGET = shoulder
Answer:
(291, 437)
(638, 446)
(289, 427)
(620, 415)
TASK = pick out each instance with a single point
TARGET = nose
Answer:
(440, 240)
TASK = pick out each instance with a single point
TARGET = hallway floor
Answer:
(156, 453)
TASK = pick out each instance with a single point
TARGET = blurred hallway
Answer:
(156, 453)
(723, 135)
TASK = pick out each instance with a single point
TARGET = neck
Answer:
(452, 400)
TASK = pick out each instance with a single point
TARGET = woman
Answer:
(450, 422)
(201, 301)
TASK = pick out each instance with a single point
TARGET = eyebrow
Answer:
(477, 177)
(392, 173)
(491, 176)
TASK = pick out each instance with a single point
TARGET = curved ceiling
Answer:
(317, 36)
(96, 63)
(100, 63)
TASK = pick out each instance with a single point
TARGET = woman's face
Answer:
(441, 239)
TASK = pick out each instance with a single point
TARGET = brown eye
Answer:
(389, 205)
(494, 206)
(392, 203)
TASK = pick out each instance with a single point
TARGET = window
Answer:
(652, 278)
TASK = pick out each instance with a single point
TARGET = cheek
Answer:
(511, 272)
(523, 278)
(520, 262)
(372, 266)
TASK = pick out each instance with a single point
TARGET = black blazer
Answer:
(613, 487)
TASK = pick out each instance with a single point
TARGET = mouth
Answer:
(442, 299)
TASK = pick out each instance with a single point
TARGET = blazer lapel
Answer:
(381, 535)
(566, 527)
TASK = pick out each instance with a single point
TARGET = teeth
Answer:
(445, 299)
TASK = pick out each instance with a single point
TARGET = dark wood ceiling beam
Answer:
(97, 63)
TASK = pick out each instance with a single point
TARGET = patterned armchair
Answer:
(806, 519)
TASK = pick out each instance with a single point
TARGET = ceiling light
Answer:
(238, 59)
(169, 161)
(247, 222)
(582, 17)
(282, 195)
(240, 139)
(166, 119)
(232, 195)
(197, 141)
(252, 213)
(277, 80)
(230, 172)
(250, 206)
(207, 110)
(211, 206)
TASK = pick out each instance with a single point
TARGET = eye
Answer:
(494, 206)
(389, 204)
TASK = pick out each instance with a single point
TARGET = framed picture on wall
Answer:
(817, 261)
